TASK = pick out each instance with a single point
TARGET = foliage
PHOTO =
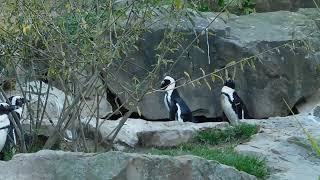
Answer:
(228, 156)
(231, 134)
(202, 147)
(75, 44)
(247, 6)
(8, 155)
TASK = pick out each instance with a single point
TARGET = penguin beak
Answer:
(163, 85)
(12, 107)
(25, 100)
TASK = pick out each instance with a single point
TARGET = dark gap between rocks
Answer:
(294, 109)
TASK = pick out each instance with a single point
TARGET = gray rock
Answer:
(312, 13)
(283, 73)
(137, 132)
(316, 111)
(285, 147)
(309, 104)
(90, 107)
(303, 142)
(55, 100)
(56, 165)
(277, 5)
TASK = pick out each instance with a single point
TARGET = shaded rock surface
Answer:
(277, 5)
(282, 142)
(288, 72)
(55, 165)
(137, 132)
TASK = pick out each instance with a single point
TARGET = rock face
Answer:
(284, 145)
(137, 132)
(55, 165)
(288, 72)
(56, 100)
(277, 5)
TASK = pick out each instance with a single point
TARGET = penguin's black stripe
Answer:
(5, 127)
(234, 106)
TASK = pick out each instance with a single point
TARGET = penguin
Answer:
(17, 102)
(5, 124)
(178, 109)
(232, 105)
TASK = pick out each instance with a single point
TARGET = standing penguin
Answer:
(232, 106)
(178, 109)
(5, 124)
(17, 102)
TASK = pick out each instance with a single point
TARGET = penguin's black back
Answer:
(186, 113)
(238, 106)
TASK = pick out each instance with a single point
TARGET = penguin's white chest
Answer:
(178, 117)
(228, 111)
(166, 101)
(4, 121)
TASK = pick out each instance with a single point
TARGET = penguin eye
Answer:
(165, 83)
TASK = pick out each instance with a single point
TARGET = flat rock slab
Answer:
(138, 132)
(285, 146)
(59, 165)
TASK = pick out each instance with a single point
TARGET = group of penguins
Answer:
(7, 131)
(233, 107)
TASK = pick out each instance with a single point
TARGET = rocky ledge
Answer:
(56, 165)
(285, 147)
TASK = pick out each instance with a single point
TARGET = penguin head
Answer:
(5, 108)
(230, 83)
(17, 101)
(168, 83)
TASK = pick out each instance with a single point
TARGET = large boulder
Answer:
(285, 146)
(55, 165)
(289, 72)
(277, 5)
(137, 132)
(264, 5)
(55, 99)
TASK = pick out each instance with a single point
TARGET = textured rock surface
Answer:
(277, 5)
(288, 153)
(56, 165)
(55, 101)
(284, 73)
(137, 132)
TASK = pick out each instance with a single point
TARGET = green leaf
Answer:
(178, 4)
(241, 66)
(139, 112)
(205, 80)
(189, 78)
(191, 20)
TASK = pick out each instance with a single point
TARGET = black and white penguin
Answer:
(5, 124)
(17, 102)
(178, 109)
(232, 105)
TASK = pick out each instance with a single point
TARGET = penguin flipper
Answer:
(173, 112)
(240, 107)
